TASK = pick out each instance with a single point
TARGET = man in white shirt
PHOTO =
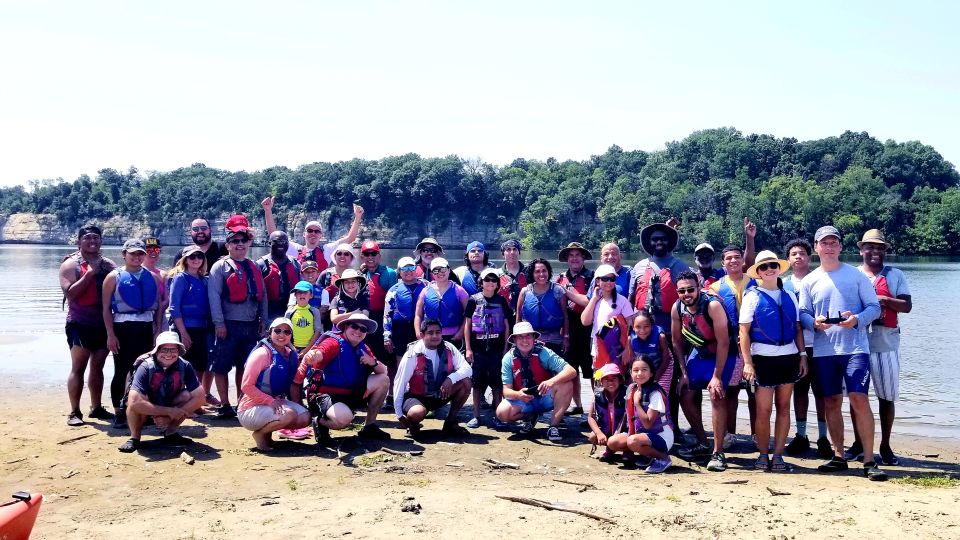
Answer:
(313, 248)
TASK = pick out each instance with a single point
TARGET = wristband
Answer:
(803, 353)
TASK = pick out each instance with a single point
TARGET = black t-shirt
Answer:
(492, 336)
(213, 254)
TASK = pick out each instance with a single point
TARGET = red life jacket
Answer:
(91, 295)
(655, 289)
(418, 382)
(328, 280)
(277, 282)
(315, 254)
(580, 285)
(888, 317)
(539, 373)
(510, 288)
(377, 293)
(243, 284)
(163, 386)
(697, 328)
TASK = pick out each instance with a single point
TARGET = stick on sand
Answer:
(550, 506)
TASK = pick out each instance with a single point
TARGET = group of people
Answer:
(316, 331)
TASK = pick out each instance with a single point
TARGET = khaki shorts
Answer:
(258, 416)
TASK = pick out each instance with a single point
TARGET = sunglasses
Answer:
(343, 254)
(607, 279)
(282, 331)
(237, 241)
(357, 327)
(153, 248)
(428, 250)
(767, 266)
(168, 350)
(440, 270)
(195, 256)
(408, 268)
(314, 231)
(200, 229)
(688, 290)
(491, 280)
(475, 251)
(369, 253)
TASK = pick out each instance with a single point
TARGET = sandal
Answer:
(777, 464)
(129, 446)
(762, 463)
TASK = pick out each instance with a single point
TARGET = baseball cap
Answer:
(303, 286)
(406, 261)
(606, 370)
(281, 320)
(488, 272)
(369, 245)
(309, 264)
(703, 246)
(439, 262)
(151, 242)
(134, 244)
(825, 231)
(237, 223)
(511, 244)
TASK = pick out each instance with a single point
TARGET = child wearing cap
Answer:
(307, 325)
(607, 415)
(320, 297)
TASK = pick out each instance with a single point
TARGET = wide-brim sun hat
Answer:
(350, 273)
(429, 241)
(673, 237)
(168, 338)
(873, 236)
(565, 252)
(767, 256)
(523, 328)
(361, 319)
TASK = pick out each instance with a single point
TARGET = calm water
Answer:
(31, 326)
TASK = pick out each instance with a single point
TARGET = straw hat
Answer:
(766, 256)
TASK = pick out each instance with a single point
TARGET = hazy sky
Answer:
(249, 85)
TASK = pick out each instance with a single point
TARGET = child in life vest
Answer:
(648, 417)
(607, 418)
(648, 338)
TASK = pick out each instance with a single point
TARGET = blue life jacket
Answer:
(649, 347)
(728, 294)
(275, 380)
(135, 293)
(545, 312)
(610, 416)
(470, 281)
(446, 309)
(194, 304)
(316, 299)
(345, 374)
(773, 324)
(403, 303)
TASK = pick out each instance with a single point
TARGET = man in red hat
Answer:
(379, 280)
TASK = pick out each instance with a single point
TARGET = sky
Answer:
(250, 85)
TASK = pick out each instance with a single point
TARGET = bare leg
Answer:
(834, 418)
(95, 376)
(377, 386)
(764, 409)
(223, 388)
(864, 423)
(693, 413)
(460, 392)
(78, 365)
(237, 380)
(562, 393)
(782, 426)
(719, 406)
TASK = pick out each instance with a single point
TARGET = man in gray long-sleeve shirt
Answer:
(238, 307)
(838, 303)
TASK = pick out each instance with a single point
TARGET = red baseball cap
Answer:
(237, 223)
(369, 245)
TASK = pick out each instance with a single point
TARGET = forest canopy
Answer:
(710, 180)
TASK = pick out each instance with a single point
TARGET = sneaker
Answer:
(373, 432)
(499, 424)
(887, 457)
(718, 463)
(835, 464)
(872, 471)
(453, 429)
(212, 401)
(527, 426)
(640, 462)
(414, 431)
(729, 440)
(799, 445)
(694, 453)
(824, 448)
(120, 419)
(855, 452)
(659, 465)
(553, 434)
(226, 411)
(295, 434)
(574, 411)
(321, 434)
(474, 423)
(176, 439)
(607, 456)
(100, 413)
(75, 418)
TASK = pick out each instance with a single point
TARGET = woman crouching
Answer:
(266, 385)
(648, 417)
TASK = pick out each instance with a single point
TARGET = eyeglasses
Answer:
(358, 328)
(200, 228)
(428, 250)
(607, 279)
(237, 241)
(314, 231)
(195, 256)
(408, 268)
(369, 253)
(440, 270)
(282, 331)
(688, 290)
(475, 251)
(767, 266)
(168, 350)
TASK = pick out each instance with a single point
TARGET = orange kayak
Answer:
(18, 516)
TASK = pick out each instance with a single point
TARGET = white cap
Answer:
(406, 261)
(439, 262)
(281, 320)
(604, 270)
(704, 245)
(489, 271)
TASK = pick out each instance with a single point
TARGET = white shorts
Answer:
(258, 416)
(885, 372)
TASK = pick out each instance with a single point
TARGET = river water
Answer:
(33, 344)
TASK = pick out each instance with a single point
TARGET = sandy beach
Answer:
(230, 491)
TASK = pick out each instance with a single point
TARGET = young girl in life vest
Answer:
(649, 339)
(352, 298)
(609, 340)
(607, 418)
(648, 418)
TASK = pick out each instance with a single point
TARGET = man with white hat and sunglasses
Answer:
(165, 387)
(535, 381)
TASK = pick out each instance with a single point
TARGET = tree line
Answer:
(710, 180)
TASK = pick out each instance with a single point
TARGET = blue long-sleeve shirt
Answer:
(828, 293)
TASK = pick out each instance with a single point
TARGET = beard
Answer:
(200, 238)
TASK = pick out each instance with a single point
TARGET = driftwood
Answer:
(550, 506)
(12, 461)
(494, 464)
(735, 482)
(400, 453)
(775, 492)
(583, 487)
(73, 439)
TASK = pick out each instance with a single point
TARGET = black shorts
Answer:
(773, 371)
(402, 336)
(431, 403)
(198, 353)
(232, 352)
(319, 404)
(578, 354)
(92, 337)
(486, 370)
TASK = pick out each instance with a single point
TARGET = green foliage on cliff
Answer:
(711, 180)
